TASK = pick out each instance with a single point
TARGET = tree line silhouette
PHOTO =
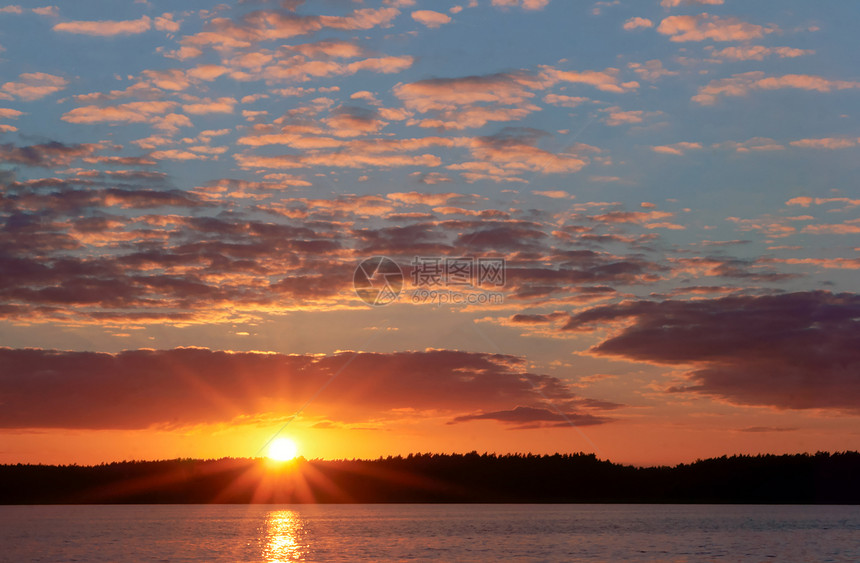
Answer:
(826, 478)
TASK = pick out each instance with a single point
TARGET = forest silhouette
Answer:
(823, 478)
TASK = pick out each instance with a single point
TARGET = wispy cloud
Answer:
(743, 84)
(430, 18)
(637, 22)
(106, 28)
(707, 26)
(33, 86)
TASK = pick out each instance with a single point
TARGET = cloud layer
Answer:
(188, 386)
(790, 351)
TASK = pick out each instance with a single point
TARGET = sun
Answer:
(282, 449)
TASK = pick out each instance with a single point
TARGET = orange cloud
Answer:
(728, 267)
(450, 93)
(637, 22)
(553, 194)
(173, 79)
(298, 69)
(132, 112)
(705, 26)
(365, 18)
(105, 28)
(33, 86)
(804, 82)
(224, 33)
(165, 22)
(805, 201)
(774, 227)
(473, 117)
(675, 3)
(407, 145)
(829, 143)
(677, 148)
(367, 96)
(651, 70)
(207, 72)
(639, 217)
(503, 157)
(183, 53)
(754, 144)
(293, 140)
(742, 84)
(336, 160)
(846, 228)
(421, 198)
(605, 80)
(384, 65)
(171, 122)
(430, 18)
(829, 263)
(47, 11)
(524, 4)
(618, 117)
(336, 49)
(469, 102)
(221, 105)
(758, 52)
(564, 101)
(431, 178)
(177, 155)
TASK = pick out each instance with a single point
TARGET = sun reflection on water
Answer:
(284, 531)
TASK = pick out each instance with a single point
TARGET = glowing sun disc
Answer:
(282, 449)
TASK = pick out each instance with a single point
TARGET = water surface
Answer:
(451, 532)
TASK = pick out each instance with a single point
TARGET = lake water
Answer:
(669, 533)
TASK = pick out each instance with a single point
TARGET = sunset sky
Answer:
(188, 189)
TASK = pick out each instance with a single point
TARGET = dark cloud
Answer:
(515, 136)
(755, 429)
(533, 319)
(45, 155)
(421, 238)
(123, 161)
(793, 350)
(507, 236)
(185, 386)
(531, 282)
(749, 270)
(126, 239)
(536, 417)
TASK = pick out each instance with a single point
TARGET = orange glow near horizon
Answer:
(638, 443)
